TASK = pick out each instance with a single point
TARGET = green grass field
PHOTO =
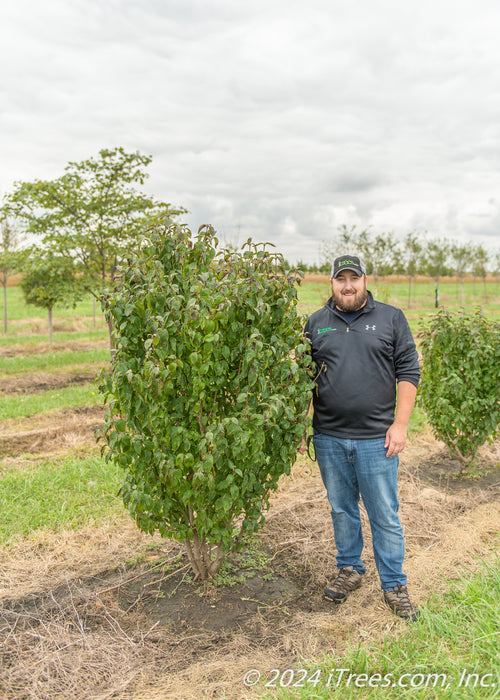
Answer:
(28, 324)
(25, 405)
(53, 361)
(73, 492)
(312, 294)
(18, 309)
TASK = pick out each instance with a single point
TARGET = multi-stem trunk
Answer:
(204, 558)
(205, 561)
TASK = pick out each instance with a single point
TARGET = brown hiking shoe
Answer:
(347, 580)
(399, 600)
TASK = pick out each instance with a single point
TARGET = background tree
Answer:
(436, 253)
(397, 263)
(496, 266)
(48, 281)
(9, 260)
(346, 240)
(479, 266)
(207, 395)
(376, 252)
(93, 214)
(412, 259)
(461, 259)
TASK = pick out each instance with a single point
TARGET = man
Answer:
(365, 358)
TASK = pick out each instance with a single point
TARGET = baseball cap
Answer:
(348, 262)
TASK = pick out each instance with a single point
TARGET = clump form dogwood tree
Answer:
(460, 381)
(208, 389)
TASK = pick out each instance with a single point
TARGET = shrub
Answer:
(460, 381)
(208, 388)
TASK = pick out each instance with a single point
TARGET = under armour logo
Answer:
(370, 328)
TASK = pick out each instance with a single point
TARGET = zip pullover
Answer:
(357, 367)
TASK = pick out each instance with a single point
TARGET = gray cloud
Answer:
(267, 119)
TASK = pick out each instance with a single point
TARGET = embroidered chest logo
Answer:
(370, 328)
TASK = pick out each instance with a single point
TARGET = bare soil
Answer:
(109, 612)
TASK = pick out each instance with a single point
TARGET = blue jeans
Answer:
(350, 468)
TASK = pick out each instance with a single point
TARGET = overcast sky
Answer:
(278, 120)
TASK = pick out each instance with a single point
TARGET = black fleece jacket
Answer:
(357, 366)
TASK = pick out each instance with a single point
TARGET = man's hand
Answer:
(303, 446)
(395, 439)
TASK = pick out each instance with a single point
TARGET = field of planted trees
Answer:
(90, 606)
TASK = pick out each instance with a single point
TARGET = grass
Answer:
(52, 361)
(450, 653)
(418, 420)
(26, 340)
(18, 309)
(29, 323)
(24, 405)
(74, 493)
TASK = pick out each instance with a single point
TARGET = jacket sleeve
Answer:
(406, 364)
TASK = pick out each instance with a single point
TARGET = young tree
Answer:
(479, 266)
(9, 260)
(412, 256)
(208, 388)
(49, 281)
(345, 241)
(436, 253)
(396, 264)
(461, 257)
(460, 380)
(93, 214)
(376, 253)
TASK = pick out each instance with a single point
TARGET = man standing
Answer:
(365, 358)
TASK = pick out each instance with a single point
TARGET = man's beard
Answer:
(352, 302)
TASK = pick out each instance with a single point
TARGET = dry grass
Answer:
(70, 646)
(45, 381)
(42, 347)
(46, 559)
(45, 436)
